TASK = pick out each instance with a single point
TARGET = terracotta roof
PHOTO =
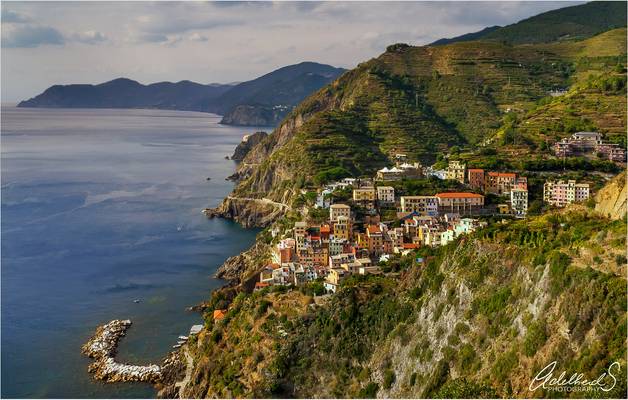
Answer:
(274, 265)
(410, 246)
(451, 195)
(503, 174)
(475, 170)
(261, 284)
(374, 229)
(325, 229)
(219, 314)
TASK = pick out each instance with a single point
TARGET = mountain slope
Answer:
(127, 93)
(267, 99)
(419, 101)
(467, 37)
(569, 23)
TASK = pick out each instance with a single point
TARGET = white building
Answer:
(519, 202)
(339, 210)
(385, 194)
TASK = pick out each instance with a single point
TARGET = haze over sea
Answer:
(101, 207)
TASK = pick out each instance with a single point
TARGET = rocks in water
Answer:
(102, 348)
(248, 142)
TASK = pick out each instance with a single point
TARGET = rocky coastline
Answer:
(102, 347)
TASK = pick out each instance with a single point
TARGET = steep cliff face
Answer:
(251, 115)
(611, 200)
(248, 142)
(248, 212)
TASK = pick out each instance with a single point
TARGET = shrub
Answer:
(389, 378)
(535, 338)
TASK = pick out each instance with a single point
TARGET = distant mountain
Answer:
(466, 37)
(576, 22)
(127, 93)
(270, 97)
(262, 101)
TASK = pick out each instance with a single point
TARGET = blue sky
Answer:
(91, 42)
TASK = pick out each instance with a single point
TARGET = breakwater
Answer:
(102, 347)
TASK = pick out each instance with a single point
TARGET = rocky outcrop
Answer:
(248, 142)
(248, 212)
(247, 115)
(103, 346)
(610, 201)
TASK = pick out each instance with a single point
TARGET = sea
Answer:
(100, 208)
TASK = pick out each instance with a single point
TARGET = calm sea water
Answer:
(101, 207)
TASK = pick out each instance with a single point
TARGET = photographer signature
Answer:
(545, 379)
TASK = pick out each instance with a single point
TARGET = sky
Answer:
(47, 43)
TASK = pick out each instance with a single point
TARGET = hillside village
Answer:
(375, 223)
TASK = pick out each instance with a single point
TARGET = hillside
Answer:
(422, 100)
(479, 319)
(263, 101)
(569, 23)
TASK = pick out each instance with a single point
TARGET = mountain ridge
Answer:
(262, 101)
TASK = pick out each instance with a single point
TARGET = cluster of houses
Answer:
(582, 143)
(338, 248)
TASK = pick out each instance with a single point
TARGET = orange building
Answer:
(475, 177)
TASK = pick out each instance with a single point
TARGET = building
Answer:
(519, 202)
(285, 251)
(386, 194)
(339, 210)
(560, 194)
(300, 230)
(456, 171)
(389, 174)
(365, 196)
(581, 143)
(475, 178)
(499, 182)
(323, 199)
(375, 239)
(423, 205)
(437, 173)
(342, 228)
(459, 202)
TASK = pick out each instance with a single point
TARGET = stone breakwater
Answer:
(102, 348)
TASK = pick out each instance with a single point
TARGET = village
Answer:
(355, 237)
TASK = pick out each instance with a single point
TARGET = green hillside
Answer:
(569, 23)
(422, 100)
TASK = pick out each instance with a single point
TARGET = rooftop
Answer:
(452, 195)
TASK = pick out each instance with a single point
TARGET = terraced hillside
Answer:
(420, 100)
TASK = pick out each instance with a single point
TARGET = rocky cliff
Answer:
(611, 200)
(248, 142)
(251, 115)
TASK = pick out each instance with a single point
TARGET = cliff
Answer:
(610, 201)
(248, 142)
(247, 115)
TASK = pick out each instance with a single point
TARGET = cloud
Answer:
(90, 37)
(198, 37)
(151, 38)
(9, 16)
(30, 36)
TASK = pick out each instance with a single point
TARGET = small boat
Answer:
(136, 301)
(208, 179)
(176, 346)
(183, 337)
(180, 342)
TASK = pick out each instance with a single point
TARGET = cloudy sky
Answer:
(92, 42)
